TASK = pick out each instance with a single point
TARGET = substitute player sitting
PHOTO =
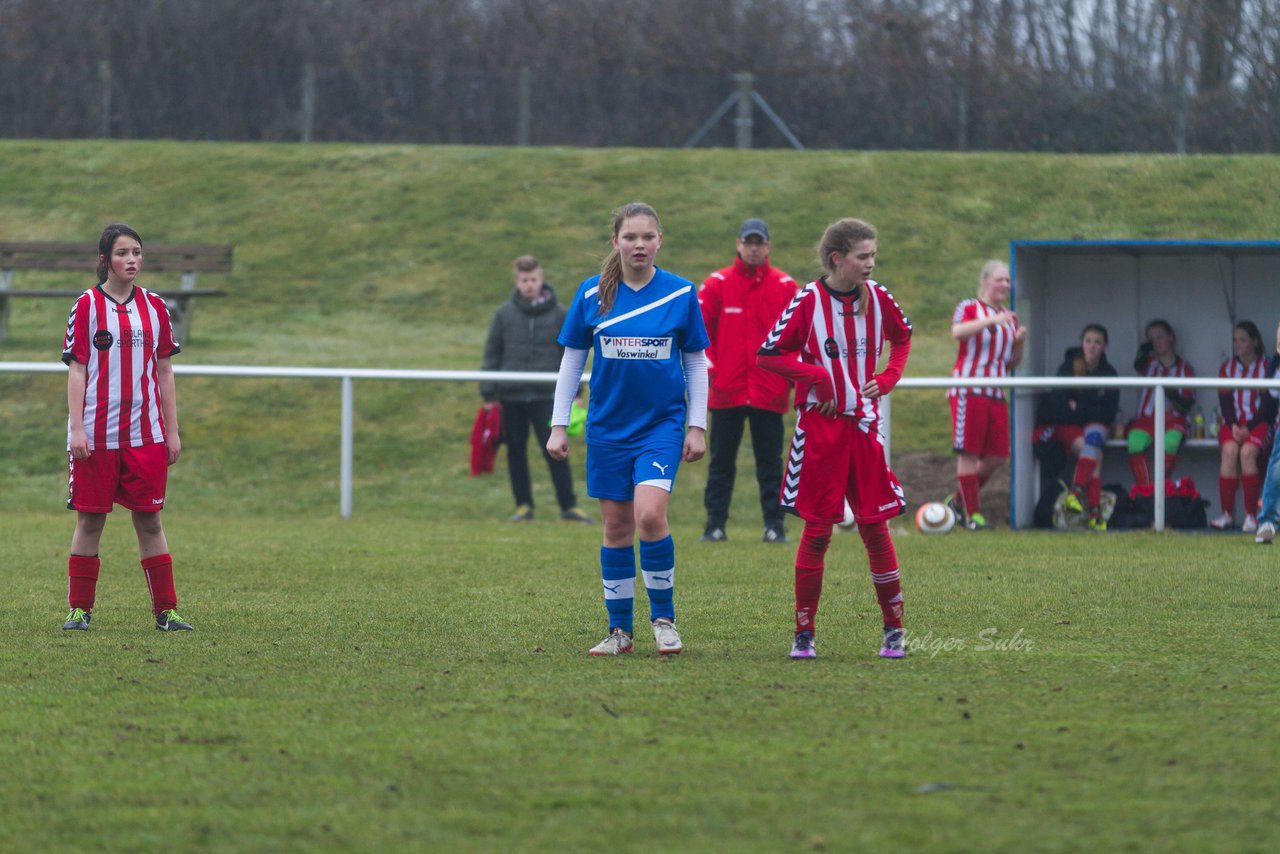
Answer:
(1245, 433)
(1157, 358)
(838, 326)
(123, 424)
(1081, 420)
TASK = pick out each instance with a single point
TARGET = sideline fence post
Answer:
(1159, 459)
(348, 418)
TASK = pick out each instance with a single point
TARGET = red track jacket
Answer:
(740, 305)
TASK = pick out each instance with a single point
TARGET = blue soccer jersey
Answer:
(637, 377)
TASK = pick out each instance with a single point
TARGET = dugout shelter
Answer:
(1202, 287)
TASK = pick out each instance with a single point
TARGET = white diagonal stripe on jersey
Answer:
(658, 303)
(620, 588)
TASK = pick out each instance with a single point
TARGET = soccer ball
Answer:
(848, 523)
(935, 518)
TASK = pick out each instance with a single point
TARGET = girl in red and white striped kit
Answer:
(1157, 358)
(829, 340)
(122, 429)
(1244, 436)
(990, 346)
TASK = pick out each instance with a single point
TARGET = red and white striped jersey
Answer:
(824, 328)
(1156, 368)
(986, 354)
(1241, 405)
(119, 344)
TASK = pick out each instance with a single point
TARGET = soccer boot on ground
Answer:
(170, 621)
(957, 507)
(617, 643)
(774, 535)
(1222, 522)
(714, 535)
(1250, 524)
(1074, 502)
(976, 522)
(666, 637)
(803, 645)
(573, 514)
(523, 514)
(1097, 523)
(1266, 533)
(895, 643)
(77, 620)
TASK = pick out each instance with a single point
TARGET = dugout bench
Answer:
(157, 258)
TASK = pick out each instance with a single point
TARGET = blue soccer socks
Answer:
(658, 564)
(618, 571)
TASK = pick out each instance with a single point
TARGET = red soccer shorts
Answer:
(838, 458)
(1147, 423)
(131, 477)
(1257, 436)
(979, 425)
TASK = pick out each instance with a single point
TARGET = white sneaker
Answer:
(616, 643)
(1266, 533)
(1223, 522)
(1250, 523)
(666, 636)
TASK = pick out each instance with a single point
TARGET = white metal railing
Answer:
(349, 375)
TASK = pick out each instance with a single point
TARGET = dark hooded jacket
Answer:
(522, 337)
(1092, 404)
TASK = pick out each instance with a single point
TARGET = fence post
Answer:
(744, 120)
(104, 86)
(348, 419)
(1158, 462)
(524, 87)
(308, 102)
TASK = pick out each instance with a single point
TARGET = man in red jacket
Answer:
(740, 305)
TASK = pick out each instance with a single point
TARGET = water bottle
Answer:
(1198, 420)
(1215, 423)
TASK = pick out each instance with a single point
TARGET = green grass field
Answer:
(415, 678)
(410, 685)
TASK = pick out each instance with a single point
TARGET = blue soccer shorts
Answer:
(614, 471)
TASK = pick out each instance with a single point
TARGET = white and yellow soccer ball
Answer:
(935, 518)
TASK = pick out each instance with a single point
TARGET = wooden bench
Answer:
(157, 258)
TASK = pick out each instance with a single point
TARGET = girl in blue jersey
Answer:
(644, 328)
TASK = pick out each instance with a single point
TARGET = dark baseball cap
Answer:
(753, 226)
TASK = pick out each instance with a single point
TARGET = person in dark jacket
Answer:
(1081, 420)
(740, 305)
(522, 337)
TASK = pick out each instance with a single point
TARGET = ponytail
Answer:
(610, 275)
(611, 268)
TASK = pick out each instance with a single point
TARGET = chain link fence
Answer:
(537, 107)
